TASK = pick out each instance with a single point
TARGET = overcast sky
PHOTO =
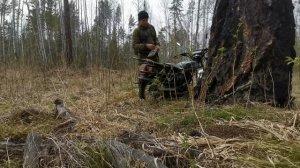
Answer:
(157, 17)
(128, 7)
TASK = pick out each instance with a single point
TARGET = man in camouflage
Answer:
(144, 38)
(144, 41)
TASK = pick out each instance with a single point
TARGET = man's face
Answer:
(144, 22)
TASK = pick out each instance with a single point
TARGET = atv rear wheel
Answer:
(142, 89)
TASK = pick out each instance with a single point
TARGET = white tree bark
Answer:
(40, 33)
(197, 24)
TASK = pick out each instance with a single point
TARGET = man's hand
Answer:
(150, 46)
(157, 47)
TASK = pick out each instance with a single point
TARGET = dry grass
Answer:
(296, 88)
(107, 105)
(105, 101)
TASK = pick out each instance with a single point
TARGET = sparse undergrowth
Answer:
(107, 104)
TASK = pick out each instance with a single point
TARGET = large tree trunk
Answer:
(250, 41)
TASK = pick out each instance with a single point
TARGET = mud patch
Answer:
(27, 116)
(229, 131)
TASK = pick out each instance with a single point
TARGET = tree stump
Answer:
(249, 45)
(32, 150)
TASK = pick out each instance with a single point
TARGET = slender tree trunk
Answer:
(87, 34)
(30, 38)
(204, 23)
(83, 56)
(168, 31)
(68, 34)
(76, 34)
(21, 38)
(90, 39)
(2, 33)
(197, 24)
(97, 38)
(191, 25)
(62, 29)
(47, 33)
(18, 29)
(40, 34)
(13, 33)
(298, 19)
(175, 33)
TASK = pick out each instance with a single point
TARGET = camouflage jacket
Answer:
(142, 36)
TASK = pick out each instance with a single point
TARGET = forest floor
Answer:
(107, 106)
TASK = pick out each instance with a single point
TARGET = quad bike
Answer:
(172, 80)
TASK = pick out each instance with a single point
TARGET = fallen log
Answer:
(121, 152)
(39, 151)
